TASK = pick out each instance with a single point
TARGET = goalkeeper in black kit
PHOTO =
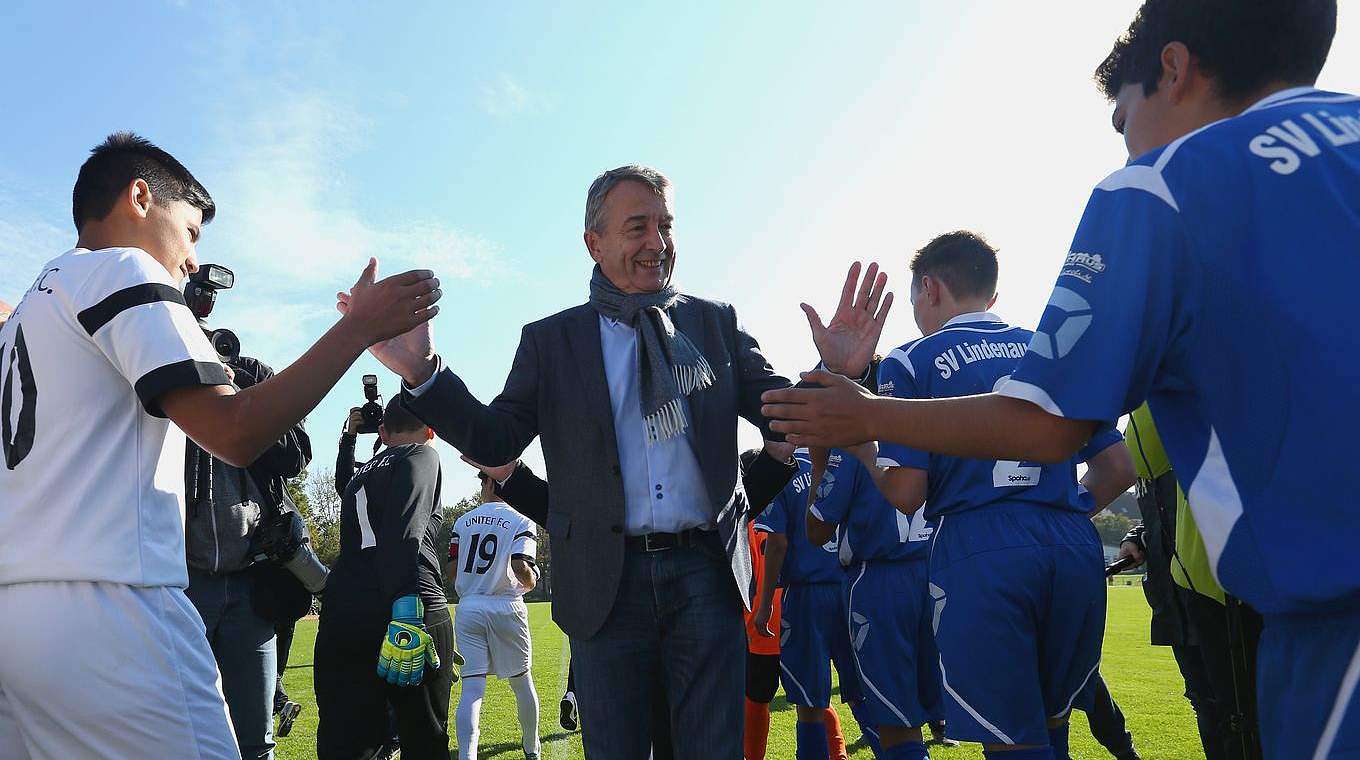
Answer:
(385, 634)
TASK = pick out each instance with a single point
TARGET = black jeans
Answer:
(1106, 719)
(1227, 639)
(352, 701)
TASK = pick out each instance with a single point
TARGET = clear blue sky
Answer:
(462, 137)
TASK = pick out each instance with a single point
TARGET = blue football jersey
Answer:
(804, 563)
(1212, 277)
(972, 354)
(869, 527)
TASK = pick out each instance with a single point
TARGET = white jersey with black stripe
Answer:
(488, 537)
(93, 483)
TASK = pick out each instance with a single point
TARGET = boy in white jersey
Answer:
(104, 656)
(492, 552)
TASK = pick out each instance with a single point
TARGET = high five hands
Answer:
(400, 336)
(847, 344)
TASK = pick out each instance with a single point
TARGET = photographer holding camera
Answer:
(239, 597)
(362, 419)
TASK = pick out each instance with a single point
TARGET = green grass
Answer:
(1143, 679)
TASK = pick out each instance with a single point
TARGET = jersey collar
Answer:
(973, 316)
(1272, 99)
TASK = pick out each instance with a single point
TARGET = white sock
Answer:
(526, 699)
(469, 716)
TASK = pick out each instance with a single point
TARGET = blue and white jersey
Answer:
(869, 526)
(804, 562)
(970, 355)
(1214, 277)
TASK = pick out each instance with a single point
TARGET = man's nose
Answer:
(192, 263)
(656, 242)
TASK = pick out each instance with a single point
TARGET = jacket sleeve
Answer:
(408, 503)
(527, 493)
(754, 377)
(289, 455)
(344, 462)
(764, 479)
(494, 433)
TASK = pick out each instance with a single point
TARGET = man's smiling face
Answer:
(633, 246)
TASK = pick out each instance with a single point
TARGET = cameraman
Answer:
(387, 578)
(240, 601)
(344, 454)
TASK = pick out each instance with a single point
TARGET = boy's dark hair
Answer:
(962, 260)
(122, 158)
(398, 419)
(1243, 44)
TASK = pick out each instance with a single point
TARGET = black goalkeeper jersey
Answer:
(390, 520)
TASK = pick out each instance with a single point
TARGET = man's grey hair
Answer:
(600, 188)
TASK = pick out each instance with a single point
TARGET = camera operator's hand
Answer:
(1131, 550)
(498, 474)
(354, 421)
(407, 648)
(378, 310)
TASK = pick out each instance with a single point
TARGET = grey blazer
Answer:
(557, 390)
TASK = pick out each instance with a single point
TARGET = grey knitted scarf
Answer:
(671, 367)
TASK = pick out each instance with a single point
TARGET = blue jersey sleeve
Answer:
(1105, 436)
(834, 494)
(896, 379)
(775, 517)
(1118, 305)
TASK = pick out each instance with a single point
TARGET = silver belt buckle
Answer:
(647, 544)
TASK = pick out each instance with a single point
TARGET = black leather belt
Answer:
(659, 542)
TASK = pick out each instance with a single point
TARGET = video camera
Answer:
(372, 410)
(200, 293)
(283, 540)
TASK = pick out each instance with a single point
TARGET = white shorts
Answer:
(492, 633)
(106, 670)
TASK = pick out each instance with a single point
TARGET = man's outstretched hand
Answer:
(394, 316)
(848, 343)
(836, 415)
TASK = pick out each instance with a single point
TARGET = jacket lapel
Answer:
(583, 336)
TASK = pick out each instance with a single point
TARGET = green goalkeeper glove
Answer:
(407, 647)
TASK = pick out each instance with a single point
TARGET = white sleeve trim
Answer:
(901, 357)
(1139, 177)
(1013, 388)
(817, 513)
(886, 462)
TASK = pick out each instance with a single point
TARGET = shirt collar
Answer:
(1273, 98)
(973, 316)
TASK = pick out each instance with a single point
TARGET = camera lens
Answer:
(226, 344)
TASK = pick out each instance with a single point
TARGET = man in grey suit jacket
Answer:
(636, 395)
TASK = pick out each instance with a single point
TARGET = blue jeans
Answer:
(243, 644)
(676, 626)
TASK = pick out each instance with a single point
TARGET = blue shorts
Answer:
(812, 636)
(1307, 670)
(1019, 610)
(889, 627)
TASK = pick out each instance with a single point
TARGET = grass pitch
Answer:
(1143, 679)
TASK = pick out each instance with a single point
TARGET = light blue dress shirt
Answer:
(663, 487)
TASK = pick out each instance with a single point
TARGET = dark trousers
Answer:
(1228, 637)
(243, 645)
(1105, 718)
(352, 701)
(1199, 693)
(283, 633)
(676, 627)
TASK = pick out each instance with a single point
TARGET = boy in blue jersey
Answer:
(812, 632)
(1016, 579)
(887, 605)
(1209, 277)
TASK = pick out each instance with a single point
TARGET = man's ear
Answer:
(137, 198)
(429, 434)
(1176, 71)
(592, 241)
(382, 433)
